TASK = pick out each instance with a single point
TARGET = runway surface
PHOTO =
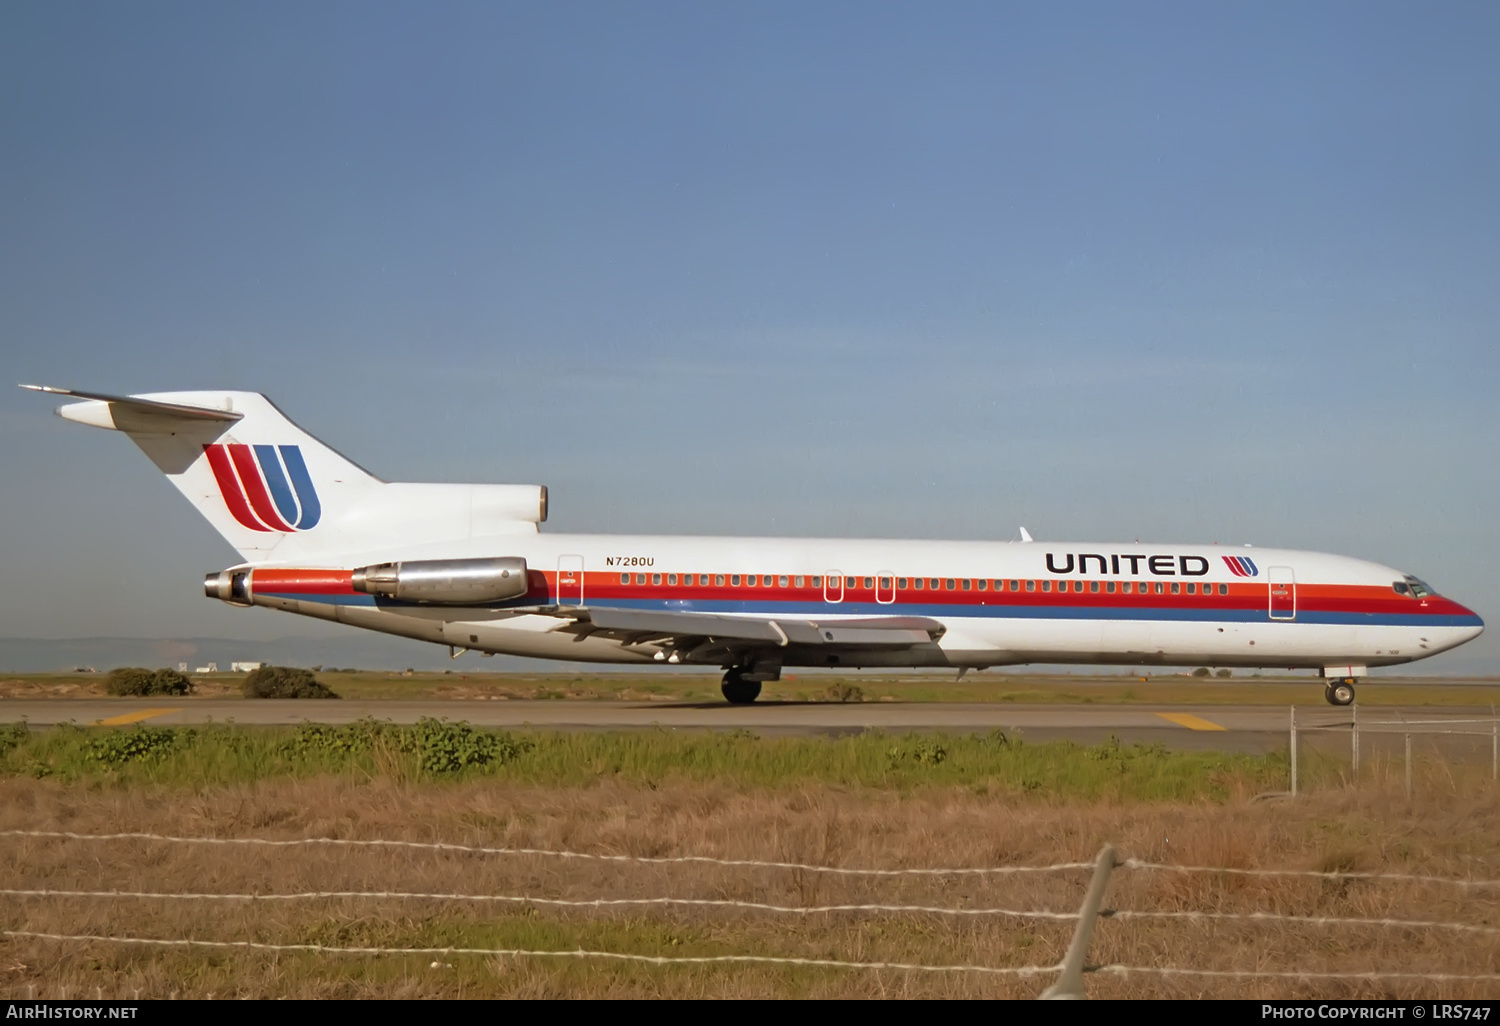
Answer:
(1231, 728)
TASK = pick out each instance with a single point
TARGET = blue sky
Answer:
(1177, 272)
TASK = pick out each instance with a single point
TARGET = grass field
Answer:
(864, 801)
(1157, 688)
(1451, 832)
(430, 751)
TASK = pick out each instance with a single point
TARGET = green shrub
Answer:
(284, 682)
(13, 736)
(842, 692)
(448, 747)
(439, 746)
(137, 682)
(120, 746)
(1201, 671)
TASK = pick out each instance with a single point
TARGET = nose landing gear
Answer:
(1339, 692)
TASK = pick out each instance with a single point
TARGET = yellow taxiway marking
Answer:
(1190, 721)
(135, 717)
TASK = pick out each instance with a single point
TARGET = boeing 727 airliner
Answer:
(466, 566)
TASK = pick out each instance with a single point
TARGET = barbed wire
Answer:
(1333, 874)
(548, 853)
(1029, 970)
(559, 902)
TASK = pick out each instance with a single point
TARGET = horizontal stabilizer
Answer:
(148, 407)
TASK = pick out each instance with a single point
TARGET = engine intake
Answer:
(448, 582)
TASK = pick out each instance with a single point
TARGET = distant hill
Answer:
(367, 652)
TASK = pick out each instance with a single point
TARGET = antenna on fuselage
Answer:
(1026, 535)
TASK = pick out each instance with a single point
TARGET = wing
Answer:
(711, 636)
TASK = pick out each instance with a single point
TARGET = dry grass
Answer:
(1451, 831)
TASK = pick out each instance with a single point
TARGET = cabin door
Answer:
(570, 580)
(1283, 587)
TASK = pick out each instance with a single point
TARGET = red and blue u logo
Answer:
(266, 487)
(1241, 566)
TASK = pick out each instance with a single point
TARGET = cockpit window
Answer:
(1400, 588)
(1419, 589)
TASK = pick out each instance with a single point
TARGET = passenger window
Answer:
(1094, 586)
(917, 583)
(968, 584)
(983, 584)
(656, 578)
(799, 582)
(1159, 588)
(1140, 588)
(783, 582)
(817, 582)
(640, 578)
(933, 583)
(869, 582)
(1078, 586)
(950, 583)
(1046, 585)
(1016, 586)
(624, 578)
(734, 580)
(1175, 589)
(1031, 586)
(901, 582)
(1109, 587)
(671, 578)
(1223, 589)
(885, 582)
(848, 582)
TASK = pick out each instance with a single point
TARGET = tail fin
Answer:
(277, 493)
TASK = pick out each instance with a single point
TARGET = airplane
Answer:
(466, 566)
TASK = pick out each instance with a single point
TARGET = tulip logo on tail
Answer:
(266, 487)
(1241, 566)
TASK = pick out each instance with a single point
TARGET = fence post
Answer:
(1408, 764)
(1294, 751)
(1354, 711)
(1069, 985)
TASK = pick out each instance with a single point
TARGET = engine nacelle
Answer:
(448, 582)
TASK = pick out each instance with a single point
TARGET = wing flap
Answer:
(639, 624)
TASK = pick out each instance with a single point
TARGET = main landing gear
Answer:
(738, 690)
(1340, 692)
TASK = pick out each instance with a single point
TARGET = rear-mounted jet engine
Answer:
(447, 582)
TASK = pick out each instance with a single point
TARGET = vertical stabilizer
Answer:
(277, 494)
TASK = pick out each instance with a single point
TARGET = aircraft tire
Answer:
(738, 691)
(1340, 693)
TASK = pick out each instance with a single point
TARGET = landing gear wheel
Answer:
(738, 690)
(1341, 693)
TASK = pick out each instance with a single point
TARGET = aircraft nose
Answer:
(1475, 627)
